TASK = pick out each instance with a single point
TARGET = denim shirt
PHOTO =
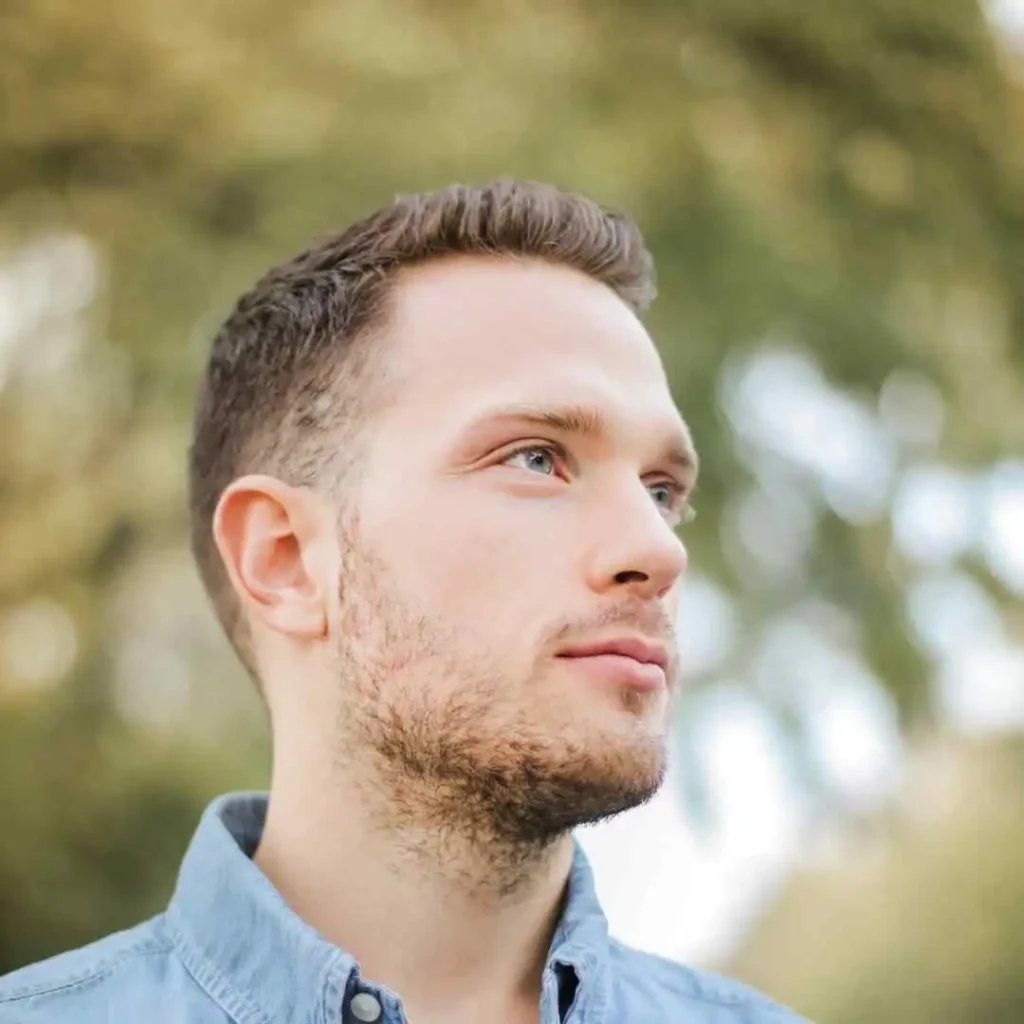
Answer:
(228, 949)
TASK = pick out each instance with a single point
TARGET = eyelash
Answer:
(681, 503)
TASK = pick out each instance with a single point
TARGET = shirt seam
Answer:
(83, 978)
(208, 976)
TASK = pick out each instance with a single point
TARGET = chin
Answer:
(629, 769)
(639, 733)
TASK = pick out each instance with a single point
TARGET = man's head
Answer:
(433, 456)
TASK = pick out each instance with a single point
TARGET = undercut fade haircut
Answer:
(291, 386)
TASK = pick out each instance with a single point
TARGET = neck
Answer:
(458, 925)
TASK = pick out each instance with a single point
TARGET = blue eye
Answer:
(675, 502)
(537, 457)
(670, 493)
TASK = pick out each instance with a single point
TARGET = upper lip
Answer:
(649, 651)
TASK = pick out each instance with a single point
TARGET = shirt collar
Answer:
(262, 962)
(238, 937)
(581, 940)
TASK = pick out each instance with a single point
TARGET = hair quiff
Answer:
(289, 381)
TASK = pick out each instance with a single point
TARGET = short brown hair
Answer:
(287, 389)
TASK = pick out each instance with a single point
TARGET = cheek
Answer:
(471, 561)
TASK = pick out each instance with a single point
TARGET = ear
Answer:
(274, 541)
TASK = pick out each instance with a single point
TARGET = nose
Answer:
(637, 553)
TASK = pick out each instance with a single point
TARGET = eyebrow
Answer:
(585, 421)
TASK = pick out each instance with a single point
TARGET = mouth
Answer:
(632, 661)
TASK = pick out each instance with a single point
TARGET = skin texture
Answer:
(428, 740)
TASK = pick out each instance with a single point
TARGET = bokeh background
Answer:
(833, 193)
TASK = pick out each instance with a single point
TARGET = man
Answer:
(436, 477)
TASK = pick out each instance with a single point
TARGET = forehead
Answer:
(467, 333)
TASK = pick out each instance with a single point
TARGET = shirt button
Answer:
(365, 1008)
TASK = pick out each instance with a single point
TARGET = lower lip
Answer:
(618, 668)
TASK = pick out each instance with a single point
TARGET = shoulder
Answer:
(665, 985)
(118, 977)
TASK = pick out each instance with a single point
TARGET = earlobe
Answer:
(267, 533)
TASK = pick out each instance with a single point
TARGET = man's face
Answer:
(482, 544)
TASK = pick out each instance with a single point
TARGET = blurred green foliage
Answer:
(93, 829)
(919, 918)
(844, 178)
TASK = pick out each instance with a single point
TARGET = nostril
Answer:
(630, 576)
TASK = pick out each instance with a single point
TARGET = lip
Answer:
(618, 670)
(647, 652)
(629, 661)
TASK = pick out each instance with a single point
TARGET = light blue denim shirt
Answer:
(228, 949)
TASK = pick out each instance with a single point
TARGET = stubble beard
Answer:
(430, 732)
